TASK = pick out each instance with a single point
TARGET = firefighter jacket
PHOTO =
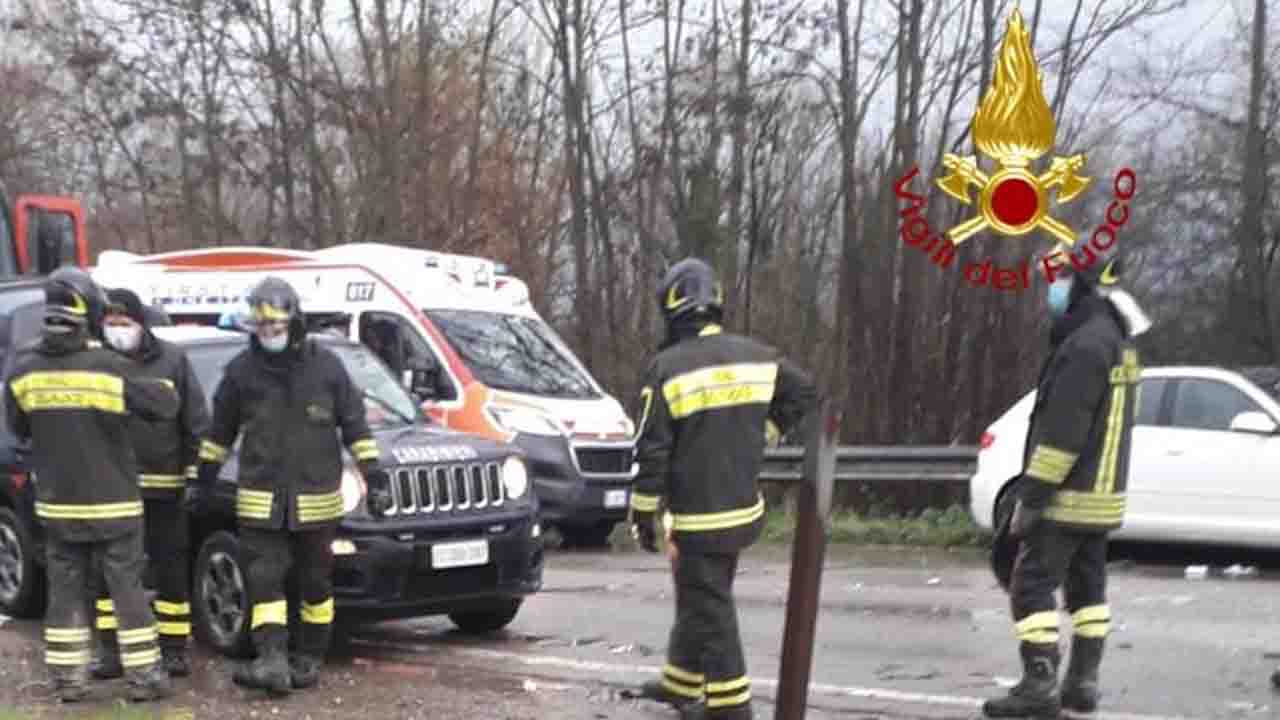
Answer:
(701, 436)
(290, 410)
(167, 450)
(1077, 449)
(72, 398)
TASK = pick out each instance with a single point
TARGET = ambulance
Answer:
(459, 330)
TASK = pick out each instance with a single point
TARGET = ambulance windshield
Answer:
(514, 353)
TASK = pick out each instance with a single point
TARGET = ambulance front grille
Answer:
(447, 488)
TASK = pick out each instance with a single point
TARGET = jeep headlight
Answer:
(520, 420)
(515, 477)
(352, 489)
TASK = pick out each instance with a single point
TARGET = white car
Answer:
(1204, 463)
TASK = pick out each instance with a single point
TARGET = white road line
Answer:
(912, 698)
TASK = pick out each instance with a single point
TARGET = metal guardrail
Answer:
(878, 463)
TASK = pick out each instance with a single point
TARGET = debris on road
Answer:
(1239, 570)
(894, 671)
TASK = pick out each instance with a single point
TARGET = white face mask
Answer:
(124, 338)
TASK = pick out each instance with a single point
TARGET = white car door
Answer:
(1215, 484)
(1145, 503)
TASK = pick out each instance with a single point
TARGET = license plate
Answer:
(459, 554)
(615, 498)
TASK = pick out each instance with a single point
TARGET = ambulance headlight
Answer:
(353, 489)
(515, 477)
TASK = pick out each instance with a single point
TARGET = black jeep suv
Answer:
(462, 537)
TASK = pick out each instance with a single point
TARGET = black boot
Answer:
(655, 690)
(71, 683)
(313, 646)
(174, 659)
(148, 683)
(1080, 685)
(1036, 695)
(270, 670)
(106, 656)
(305, 670)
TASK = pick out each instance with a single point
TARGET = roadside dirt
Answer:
(372, 688)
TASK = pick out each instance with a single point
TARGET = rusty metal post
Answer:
(813, 509)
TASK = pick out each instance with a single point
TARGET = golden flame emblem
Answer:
(1014, 126)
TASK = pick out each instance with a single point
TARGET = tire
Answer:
(497, 616)
(22, 579)
(220, 596)
(588, 536)
(1005, 502)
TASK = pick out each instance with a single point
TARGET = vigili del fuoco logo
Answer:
(1014, 126)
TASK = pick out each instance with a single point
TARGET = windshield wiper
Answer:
(390, 408)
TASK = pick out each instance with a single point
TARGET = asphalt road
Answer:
(902, 634)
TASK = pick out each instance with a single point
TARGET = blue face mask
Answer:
(1059, 296)
(275, 344)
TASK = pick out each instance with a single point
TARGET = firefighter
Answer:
(288, 396)
(72, 399)
(703, 410)
(1071, 493)
(166, 453)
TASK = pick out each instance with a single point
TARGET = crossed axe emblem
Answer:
(1004, 197)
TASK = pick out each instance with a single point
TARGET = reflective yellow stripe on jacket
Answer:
(703, 522)
(720, 386)
(212, 452)
(69, 390)
(162, 482)
(366, 449)
(253, 504)
(95, 511)
(1090, 508)
(319, 507)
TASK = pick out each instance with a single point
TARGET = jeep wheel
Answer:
(495, 617)
(22, 581)
(220, 598)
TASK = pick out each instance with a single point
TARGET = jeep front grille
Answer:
(444, 488)
(604, 460)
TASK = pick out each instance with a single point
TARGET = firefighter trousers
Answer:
(269, 557)
(704, 653)
(167, 542)
(71, 570)
(1051, 557)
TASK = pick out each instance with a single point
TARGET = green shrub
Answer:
(933, 527)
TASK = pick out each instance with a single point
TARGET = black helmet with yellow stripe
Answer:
(273, 300)
(73, 300)
(1094, 268)
(690, 288)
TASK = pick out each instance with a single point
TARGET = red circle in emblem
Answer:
(1014, 201)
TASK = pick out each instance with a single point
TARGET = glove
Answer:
(643, 532)
(377, 500)
(1025, 519)
(193, 498)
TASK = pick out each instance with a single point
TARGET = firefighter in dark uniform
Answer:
(288, 396)
(166, 453)
(1071, 493)
(703, 409)
(73, 400)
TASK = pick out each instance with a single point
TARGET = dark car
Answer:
(462, 538)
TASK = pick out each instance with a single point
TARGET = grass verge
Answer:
(932, 527)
